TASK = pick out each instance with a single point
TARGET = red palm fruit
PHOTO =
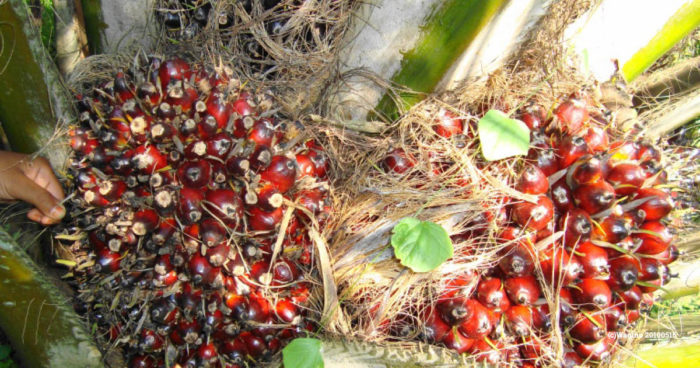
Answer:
(166, 229)
(447, 124)
(397, 161)
(218, 254)
(650, 269)
(624, 151)
(577, 227)
(174, 69)
(284, 272)
(311, 199)
(612, 229)
(654, 285)
(454, 340)
(321, 162)
(588, 327)
(490, 352)
(235, 350)
(140, 127)
(522, 290)
(597, 139)
(256, 346)
(237, 304)
(112, 190)
(533, 116)
(545, 159)
(260, 158)
(570, 149)
(586, 171)
(567, 312)
(186, 332)
(259, 273)
(260, 220)
(148, 159)
(150, 341)
(517, 260)
(541, 318)
(595, 197)
(598, 351)
(145, 221)
(519, 320)
(655, 238)
(559, 267)
(164, 202)
(305, 166)
(219, 110)
(571, 115)
(201, 270)
(148, 94)
(455, 310)
(626, 178)
(262, 132)
(268, 198)
(194, 174)
(668, 256)
(219, 145)
(630, 299)
(142, 361)
(478, 324)
(434, 328)
(658, 206)
(632, 315)
(189, 205)
(281, 172)
(648, 152)
(491, 294)
(226, 205)
(459, 285)
(562, 196)
(258, 309)
(207, 353)
(623, 273)
(242, 107)
(534, 216)
(237, 166)
(300, 292)
(594, 260)
(592, 293)
(615, 318)
(107, 261)
(532, 181)
(286, 310)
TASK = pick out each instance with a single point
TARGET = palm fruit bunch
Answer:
(577, 264)
(192, 206)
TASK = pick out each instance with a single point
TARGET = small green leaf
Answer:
(303, 353)
(502, 136)
(5, 351)
(421, 245)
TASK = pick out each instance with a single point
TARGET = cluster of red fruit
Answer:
(182, 179)
(577, 264)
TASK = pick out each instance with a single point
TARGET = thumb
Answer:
(27, 190)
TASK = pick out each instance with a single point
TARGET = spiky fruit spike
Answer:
(592, 293)
(594, 260)
(596, 197)
(626, 178)
(655, 238)
(189, 208)
(658, 206)
(194, 174)
(286, 310)
(571, 115)
(281, 172)
(519, 320)
(577, 227)
(211, 231)
(534, 216)
(447, 123)
(597, 139)
(491, 294)
(532, 181)
(522, 290)
(624, 272)
(588, 327)
(570, 149)
(225, 205)
(145, 221)
(260, 220)
(478, 324)
(148, 159)
(397, 161)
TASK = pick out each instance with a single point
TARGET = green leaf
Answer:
(502, 136)
(5, 351)
(303, 353)
(421, 245)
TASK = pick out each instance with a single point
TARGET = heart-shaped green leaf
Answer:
(502, 136)
(421, 246)
(303, 352)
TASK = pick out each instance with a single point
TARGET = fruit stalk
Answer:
(36, 318)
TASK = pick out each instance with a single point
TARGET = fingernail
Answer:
(57, 212)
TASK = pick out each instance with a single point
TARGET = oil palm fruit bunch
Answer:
(583, 258)
(181, 182)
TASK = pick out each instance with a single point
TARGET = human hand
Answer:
(33, 181)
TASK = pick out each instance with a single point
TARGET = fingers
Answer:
(49, 207)
(45, 178)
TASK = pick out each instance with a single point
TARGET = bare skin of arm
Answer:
(32, 180)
